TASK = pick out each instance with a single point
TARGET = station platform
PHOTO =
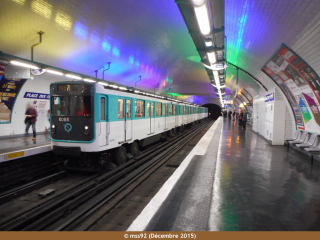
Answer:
(16, 147)
(235, 180)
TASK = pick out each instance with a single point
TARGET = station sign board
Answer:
(37, 95)
(269, 97)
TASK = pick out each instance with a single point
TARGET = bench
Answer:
(304, 136)
(295, 136)
(302, 140)
(309, 143)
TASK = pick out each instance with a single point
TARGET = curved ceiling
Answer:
(139, 38)
(256, 28)
(149, 38)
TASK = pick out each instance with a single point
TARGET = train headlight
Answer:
(86, 127)
(53, 126)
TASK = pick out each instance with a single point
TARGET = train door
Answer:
(103, 124)
(175, 113)
(150, 115)
(152, 118)
(165, 109)
(121, 123)
(128, 120)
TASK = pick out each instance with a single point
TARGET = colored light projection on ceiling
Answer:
(189, 98)
(139, 38)
(231, 85)
(237, 17)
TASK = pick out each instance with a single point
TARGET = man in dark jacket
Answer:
(244, 119)
(31, 118)
(240, 117)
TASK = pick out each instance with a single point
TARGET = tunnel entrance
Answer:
(214, 110)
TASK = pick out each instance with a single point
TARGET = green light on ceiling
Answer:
(194, 58)
(175, 94)
(169, 80)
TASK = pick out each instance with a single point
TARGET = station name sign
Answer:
(37, 95)
(269, 97)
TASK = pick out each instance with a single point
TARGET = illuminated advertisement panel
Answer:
(299, 83)
(9, 90)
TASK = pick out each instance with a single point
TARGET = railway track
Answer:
(67, 210)
(26, 169)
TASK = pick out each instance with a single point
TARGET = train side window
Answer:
(128, 109)
(158, 109)
(120, 108)
(102, 108)
(170, 110)
(139, 109)
(148, 109)
(174, 110)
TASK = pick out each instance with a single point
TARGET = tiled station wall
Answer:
(40, 84)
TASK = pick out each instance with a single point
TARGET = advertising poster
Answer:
(300, 84)
(9, 89)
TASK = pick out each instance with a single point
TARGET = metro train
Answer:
(95, 124)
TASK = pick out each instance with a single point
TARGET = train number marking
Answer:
(63, 119)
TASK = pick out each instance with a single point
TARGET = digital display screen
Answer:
(70, 88)
(64, 88)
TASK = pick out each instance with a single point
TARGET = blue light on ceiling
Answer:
(94, 37)
(116, 51)
(106, 46)
(131, 59)
(80, 30)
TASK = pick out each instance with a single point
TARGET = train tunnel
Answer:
(160, 115)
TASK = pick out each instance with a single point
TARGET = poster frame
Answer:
(14, 102)
(269, 59)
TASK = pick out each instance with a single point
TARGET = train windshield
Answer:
(72, 106)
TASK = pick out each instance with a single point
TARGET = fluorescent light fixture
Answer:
(115, 86)
(203, 19)
(136, 91)
(208, 43)
(73, 76)
(212, 57)
(104, 84)
(144, 93)
(88, 80)
(24, 65)
(54, 72)
(198, 2)
(123, 88)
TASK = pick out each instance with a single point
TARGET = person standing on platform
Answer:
(244, 120)
(240, 118)
(31, 118)
(234, 115)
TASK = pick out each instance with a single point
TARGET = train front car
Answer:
(72, 118)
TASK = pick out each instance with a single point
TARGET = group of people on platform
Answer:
(242, 117)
